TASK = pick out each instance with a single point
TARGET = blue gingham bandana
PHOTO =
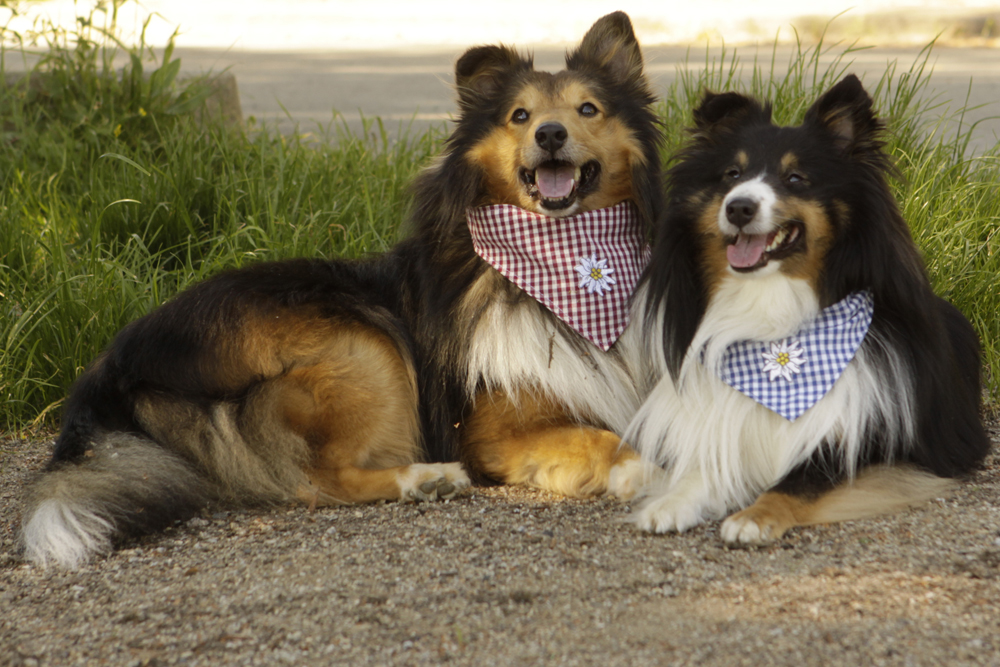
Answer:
(789, 376)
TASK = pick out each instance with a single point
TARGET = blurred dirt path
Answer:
(510, 576)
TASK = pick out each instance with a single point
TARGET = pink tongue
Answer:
(555, 183)
(747, 250)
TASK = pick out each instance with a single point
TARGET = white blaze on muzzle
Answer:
(753, 238)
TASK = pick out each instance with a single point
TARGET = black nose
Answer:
(551, 136)
(741, 211)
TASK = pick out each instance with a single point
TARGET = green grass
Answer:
(113, 196)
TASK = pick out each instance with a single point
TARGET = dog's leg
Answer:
(676, 505)
(630, 474)
(880, 489)
(356, 408)
(414, 482)
(575, 461)
(531, 441)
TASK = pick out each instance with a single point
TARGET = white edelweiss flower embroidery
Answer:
(595, 275)
(784, 360)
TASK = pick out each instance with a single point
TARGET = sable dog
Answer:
(337, 382)
(808, 371)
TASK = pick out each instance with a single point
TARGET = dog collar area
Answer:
(789, 376)
(583, 267)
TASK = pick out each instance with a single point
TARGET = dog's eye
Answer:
(519, 116)
(588, 109)
(794, 177)
(733, 173)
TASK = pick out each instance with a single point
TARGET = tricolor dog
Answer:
(808, 372)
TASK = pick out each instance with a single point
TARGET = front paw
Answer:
(627, 478)
(667, 513)
(762, 523)
(432, 481)
(748, 530)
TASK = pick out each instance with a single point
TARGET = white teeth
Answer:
(779, 238)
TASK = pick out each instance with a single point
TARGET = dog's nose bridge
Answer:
(551, 136)
(749, 202)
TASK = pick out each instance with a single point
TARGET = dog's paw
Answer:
(671, 513)
(761, 523)
(675, 507)
(432, 481)
(627, 478)
(745, 530)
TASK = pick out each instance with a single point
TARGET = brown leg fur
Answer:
(532, 441)
(877, 490)
(357, 410)
(339, 426)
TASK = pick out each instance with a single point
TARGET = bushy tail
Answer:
(879, 490)
(125, 485)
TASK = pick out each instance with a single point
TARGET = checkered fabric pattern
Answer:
(583, 268)
(793, 383)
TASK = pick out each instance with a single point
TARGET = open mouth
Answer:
(556, 184)
(749, 252)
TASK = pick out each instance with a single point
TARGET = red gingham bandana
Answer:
(583, 268)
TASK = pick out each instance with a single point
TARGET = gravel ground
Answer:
(510, 576)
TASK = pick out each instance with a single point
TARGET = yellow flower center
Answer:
(783, 358)
(595, 273)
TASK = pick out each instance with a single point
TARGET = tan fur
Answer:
(789, 162)
(338, 420)
(530, 440)
(283, 402)
(341, 420)
(878, 490)
(371, 425)
(212, 438)
(819, 238)
(502, 152)
(527, 439)
(713, 246)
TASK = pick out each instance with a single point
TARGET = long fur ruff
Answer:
(739, 447)
(522, 345)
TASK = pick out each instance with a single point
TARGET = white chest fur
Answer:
(721, 448)
(519, 345)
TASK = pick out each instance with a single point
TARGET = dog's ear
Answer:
(610, 45)
(845, 112)
(482, 71)
(728, 109)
